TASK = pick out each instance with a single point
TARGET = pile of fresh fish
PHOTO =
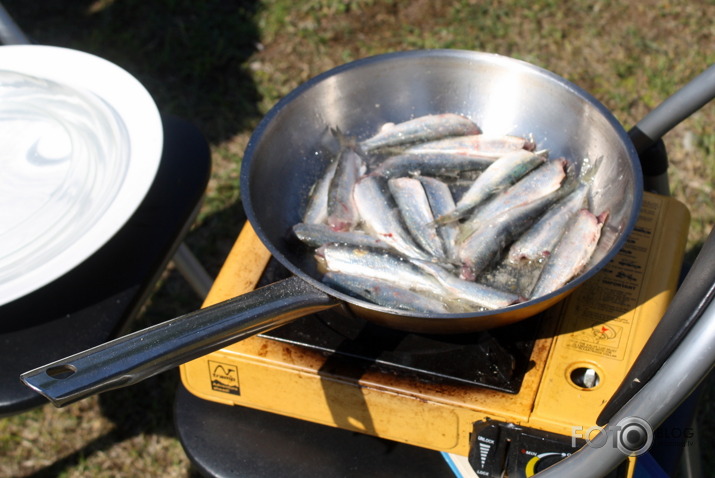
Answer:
(431, 215)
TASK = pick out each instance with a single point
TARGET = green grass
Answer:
(223, 64)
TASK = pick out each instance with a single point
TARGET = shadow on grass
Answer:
(145, 408)
(189, 55)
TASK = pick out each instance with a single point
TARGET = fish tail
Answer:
(345, 141)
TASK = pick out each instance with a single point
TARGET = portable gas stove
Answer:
(513, 398)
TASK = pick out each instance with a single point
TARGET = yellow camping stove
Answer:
(514, 396)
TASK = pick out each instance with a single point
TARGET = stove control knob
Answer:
(542, 461)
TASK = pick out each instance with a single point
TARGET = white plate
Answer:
(80, 144)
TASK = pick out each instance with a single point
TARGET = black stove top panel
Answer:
(495, 359)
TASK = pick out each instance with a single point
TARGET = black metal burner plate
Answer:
(496, 359)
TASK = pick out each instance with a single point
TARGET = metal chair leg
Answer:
(192, 270)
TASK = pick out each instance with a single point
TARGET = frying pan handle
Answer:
(683, 103)
(134, 357)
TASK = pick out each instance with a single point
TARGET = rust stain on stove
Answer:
(287, 353)
(263, 350)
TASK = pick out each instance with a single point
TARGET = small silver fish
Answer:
(414, 207)
(423, 128)
(342, 214)
(441, 201)
(469, 292)
(435, 164)
(377, 264)
(487, 147)
(572, 253)
(384, 293)
(315, 235)
(503, 172)
(381, 219)
(316, 211)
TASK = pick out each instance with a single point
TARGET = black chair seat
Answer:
(225, 441)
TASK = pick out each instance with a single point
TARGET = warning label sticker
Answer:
(600, 338)
(224, 378)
